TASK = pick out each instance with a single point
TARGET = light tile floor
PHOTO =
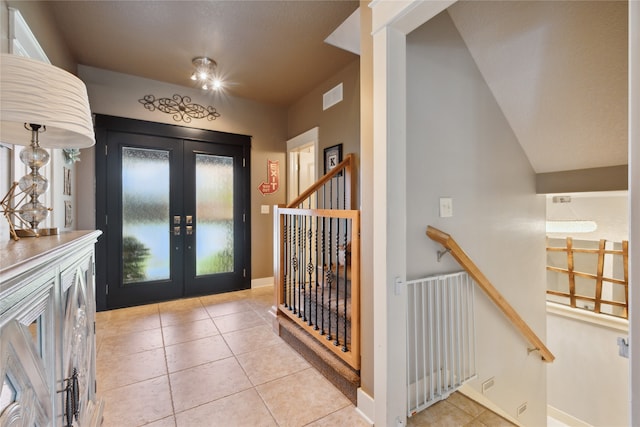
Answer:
(215, 361)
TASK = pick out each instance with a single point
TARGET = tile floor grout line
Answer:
(166, 365)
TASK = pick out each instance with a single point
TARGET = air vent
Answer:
(488, 384)
(332, 97)
(522, 408)
(561, 199)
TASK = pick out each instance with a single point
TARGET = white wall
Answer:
(588, 380)
(609, 209)
(460, 145)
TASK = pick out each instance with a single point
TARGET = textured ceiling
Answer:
(269, 51)
(558, 70)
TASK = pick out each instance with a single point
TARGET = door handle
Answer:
(176, 231)
(189, 230)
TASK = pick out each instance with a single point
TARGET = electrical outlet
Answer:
(488, 384)
(522, 409)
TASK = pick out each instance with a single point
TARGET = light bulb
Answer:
(217, 84)
(203, 75)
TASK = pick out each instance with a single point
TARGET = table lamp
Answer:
(41, 106)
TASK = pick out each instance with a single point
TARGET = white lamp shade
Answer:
(35, 92)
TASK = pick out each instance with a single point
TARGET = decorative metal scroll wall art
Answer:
(181, 107)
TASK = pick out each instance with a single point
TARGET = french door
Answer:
(176, 214)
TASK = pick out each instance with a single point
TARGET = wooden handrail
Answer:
(346, 164)
(463, 259)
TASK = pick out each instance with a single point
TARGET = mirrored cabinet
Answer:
(47, 332)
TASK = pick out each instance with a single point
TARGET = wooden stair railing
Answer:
(463, 259)
(317, 262)
(347, 166)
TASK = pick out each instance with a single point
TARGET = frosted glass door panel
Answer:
(145, 215)
(214, 214)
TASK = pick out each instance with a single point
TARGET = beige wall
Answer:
(339, 124)
(460, 145)
(117, 95)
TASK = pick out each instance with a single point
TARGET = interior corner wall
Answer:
(117, 94)
(366, 199)
(460, 145)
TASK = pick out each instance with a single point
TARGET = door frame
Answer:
(103, 125)
(304, 139)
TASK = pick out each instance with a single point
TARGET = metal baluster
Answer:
(324, 276)
(294, 263)
(315, 325)
(300, 260)
(303, 258)
(310, 268)
(285, 243)
(329, 276)
(346, 284)
(337, 340)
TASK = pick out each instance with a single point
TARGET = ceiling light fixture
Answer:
(568, 222)
(204, 73)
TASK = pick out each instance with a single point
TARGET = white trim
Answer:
(477, 396)
(261, 282)
(634, 210)
(565, 418)
(306, 138)
(21, 39)
(366, 406)
(611, 322)
(303, 139)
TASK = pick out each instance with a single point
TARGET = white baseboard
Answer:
(473, 394)
(366, 406)
(565, 418)
(261, 282)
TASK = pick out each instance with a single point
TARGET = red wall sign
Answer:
(273, 178)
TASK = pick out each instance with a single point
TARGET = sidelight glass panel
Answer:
(214, 214)
(145, 215)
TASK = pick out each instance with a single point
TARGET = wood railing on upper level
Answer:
(465, 262)
(596, 281)
(317, 262)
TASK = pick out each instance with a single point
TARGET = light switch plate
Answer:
(446, 207)
(264, 209)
